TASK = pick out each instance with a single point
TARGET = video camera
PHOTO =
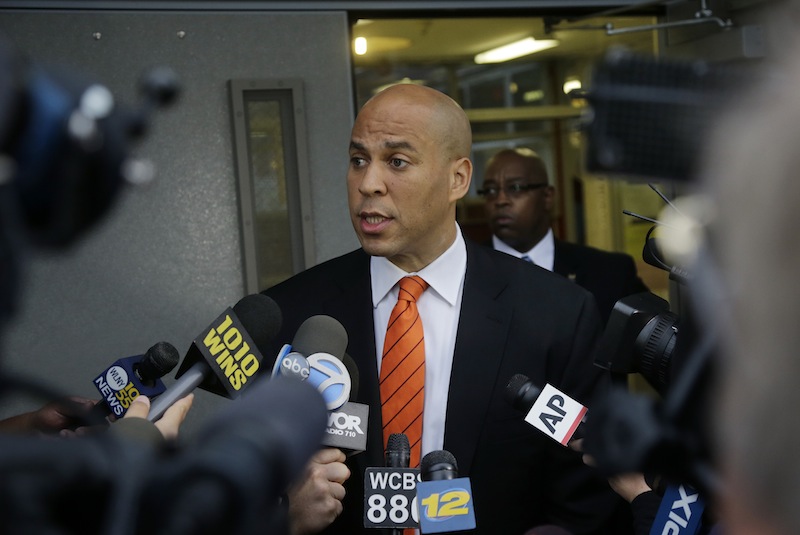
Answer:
(649, 119)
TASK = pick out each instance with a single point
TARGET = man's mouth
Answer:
(374, 219)
(373, 223)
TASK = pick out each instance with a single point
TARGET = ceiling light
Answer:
(360, 46)
(571, 85)
(515, 50)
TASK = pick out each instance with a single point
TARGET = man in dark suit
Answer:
(519, 204)
(486, 317)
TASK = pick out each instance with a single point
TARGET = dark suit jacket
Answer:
(609, 276)
(515, 318)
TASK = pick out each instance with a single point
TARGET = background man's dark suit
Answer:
(515, 318)
(608, 276)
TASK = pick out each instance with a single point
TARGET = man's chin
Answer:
(509, 238)
(373, 246)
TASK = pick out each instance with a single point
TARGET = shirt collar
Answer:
(544, 249)
(439, 274)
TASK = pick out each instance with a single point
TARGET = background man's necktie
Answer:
(402, 377)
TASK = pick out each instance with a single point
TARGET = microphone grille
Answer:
(514, 387)
(438, 465)
(158, 361)
(397, 442)
(261, 317)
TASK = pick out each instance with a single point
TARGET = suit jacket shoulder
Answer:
(609, 276)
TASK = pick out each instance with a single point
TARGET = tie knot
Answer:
(412, 287)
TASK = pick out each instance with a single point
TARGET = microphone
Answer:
(347, 424)
(679, 512)
(439, 465)
(229, 480)
(317, 356)
(390, 493)
(398, 451)
(227, 354)
(445, 500)
(549, 410)
(128, 378)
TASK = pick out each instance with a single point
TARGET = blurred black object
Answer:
(650, 118)
(68, 143)
(640, 337)
(64, 154)
(228, 480)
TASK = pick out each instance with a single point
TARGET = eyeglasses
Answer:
(513, 190)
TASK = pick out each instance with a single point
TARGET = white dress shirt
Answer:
(439, 308)
(543, 253)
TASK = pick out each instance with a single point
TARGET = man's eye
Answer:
(357, 161)
(515, 188)
(397, 162)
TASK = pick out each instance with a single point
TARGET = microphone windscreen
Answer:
(398, 451)
(438, 465)
(261, 317)
(521, 393)
(514, 386)
(320, 334)
(398, 442)
(158, 361)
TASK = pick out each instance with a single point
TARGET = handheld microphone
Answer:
(225, 357)
(128, 378)
(680, 511)
(317, 356)
(398, 451)
(316, 335)
(347, 424)
(445, 500)
(549, 410)
(390, 493)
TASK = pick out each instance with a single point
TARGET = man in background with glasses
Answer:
(519, 204)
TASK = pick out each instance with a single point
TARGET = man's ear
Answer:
(549, 198)
(460, 178)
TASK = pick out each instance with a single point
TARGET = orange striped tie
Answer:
(402, 378)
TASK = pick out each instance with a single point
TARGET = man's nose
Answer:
(372, 182)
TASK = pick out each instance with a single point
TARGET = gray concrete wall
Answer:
(167, 259)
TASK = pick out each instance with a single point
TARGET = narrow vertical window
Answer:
(272, 173)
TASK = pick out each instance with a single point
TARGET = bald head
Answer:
(409, 166)
(445, 120)
(524, 158)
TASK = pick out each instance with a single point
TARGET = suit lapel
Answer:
(482, 332)
(352, 306)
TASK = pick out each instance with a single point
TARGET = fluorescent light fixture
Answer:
(360, 46)
(515, 50)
